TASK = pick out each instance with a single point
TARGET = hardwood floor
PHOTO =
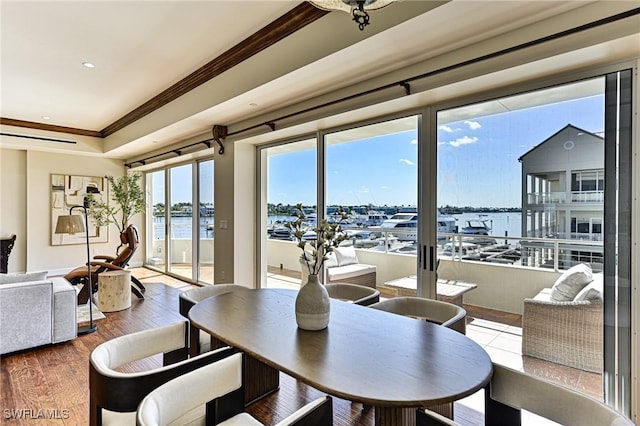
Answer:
(53, 381)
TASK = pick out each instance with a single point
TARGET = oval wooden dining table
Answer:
(391, 362)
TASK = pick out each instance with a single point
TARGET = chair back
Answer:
(436, 311)
(120, 392)
(132, 240)
(511, 390)
(184, 394)
(354, 293)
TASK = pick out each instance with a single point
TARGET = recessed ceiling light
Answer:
(88, 65)
(45, 117)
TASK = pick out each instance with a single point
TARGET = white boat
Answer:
(403, 225)
(375, 218)
(446, 225)
(476, 227)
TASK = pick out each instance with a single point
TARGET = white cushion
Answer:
(571, 282)
(349, 271)
(332, 260)
(593, 290)
(21, 278)
(346, 255)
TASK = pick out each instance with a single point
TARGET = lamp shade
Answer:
(69, 224)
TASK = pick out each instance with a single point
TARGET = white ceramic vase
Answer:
(312, 305)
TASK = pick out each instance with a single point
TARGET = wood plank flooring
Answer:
(53, 381)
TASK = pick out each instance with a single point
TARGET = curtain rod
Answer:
(405, 83)
(220, 131)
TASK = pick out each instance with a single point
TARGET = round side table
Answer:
(114, 291)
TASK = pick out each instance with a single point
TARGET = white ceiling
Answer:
(142, 47)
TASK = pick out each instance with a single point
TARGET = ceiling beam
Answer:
(297, 18)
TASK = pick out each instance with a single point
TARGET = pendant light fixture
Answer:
(357, 8)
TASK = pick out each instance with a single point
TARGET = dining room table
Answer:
(394, 363)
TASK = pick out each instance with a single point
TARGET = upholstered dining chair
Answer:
(102, 263)
(114, 394)
(200, 341)
(436, 311)
(510, 391)
(353, 293)
(218, 387)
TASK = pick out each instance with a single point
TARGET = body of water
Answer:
(501, 224)
(181, 227)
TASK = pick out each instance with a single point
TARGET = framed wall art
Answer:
(68, 191)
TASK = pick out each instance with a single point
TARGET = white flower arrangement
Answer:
(329, 235)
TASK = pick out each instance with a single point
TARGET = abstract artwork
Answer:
(68, 191)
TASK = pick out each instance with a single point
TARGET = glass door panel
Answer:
(180, 246)
(207, 221)
(372, 173)
(522, 177)
(288, 177)
(156, 203)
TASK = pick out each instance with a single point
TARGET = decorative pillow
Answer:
(346, 255)
(593, 290)
(331, 261)
(571, 282)
(21, 278)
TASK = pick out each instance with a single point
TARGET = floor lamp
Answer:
(72, 224)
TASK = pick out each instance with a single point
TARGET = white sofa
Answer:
(35, 310)
(343, 266)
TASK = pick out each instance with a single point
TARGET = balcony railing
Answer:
(587, 197)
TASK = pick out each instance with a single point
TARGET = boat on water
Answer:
(476, 227)
(375, 218)
(403, 226)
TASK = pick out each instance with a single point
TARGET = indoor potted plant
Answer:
(312, 301)
(127, 200)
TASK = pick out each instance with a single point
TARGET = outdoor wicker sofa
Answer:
(566, 332)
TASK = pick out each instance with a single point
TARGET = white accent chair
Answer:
(115, 395)
(436, 311)
(219, 387)
(199, 341)
(511, 391)
(353, 293)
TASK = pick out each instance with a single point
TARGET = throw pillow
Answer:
(331, 261)
(21, 278)
(346, 255)
(593, 290)
(571, 282)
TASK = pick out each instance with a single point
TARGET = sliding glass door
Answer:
(180, 228)
(539, 182)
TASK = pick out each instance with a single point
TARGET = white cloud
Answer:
(407, 162)
(473, 125)
(414, 142)
(446, 128)
(385, 187)
(465, 140)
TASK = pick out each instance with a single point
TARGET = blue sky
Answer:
(477, 160)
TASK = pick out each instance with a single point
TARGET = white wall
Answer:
(13, 198)
(26, 178)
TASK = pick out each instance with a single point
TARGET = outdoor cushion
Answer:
(350, 271)
(593, 290)
(346, 255)
(569, 284)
